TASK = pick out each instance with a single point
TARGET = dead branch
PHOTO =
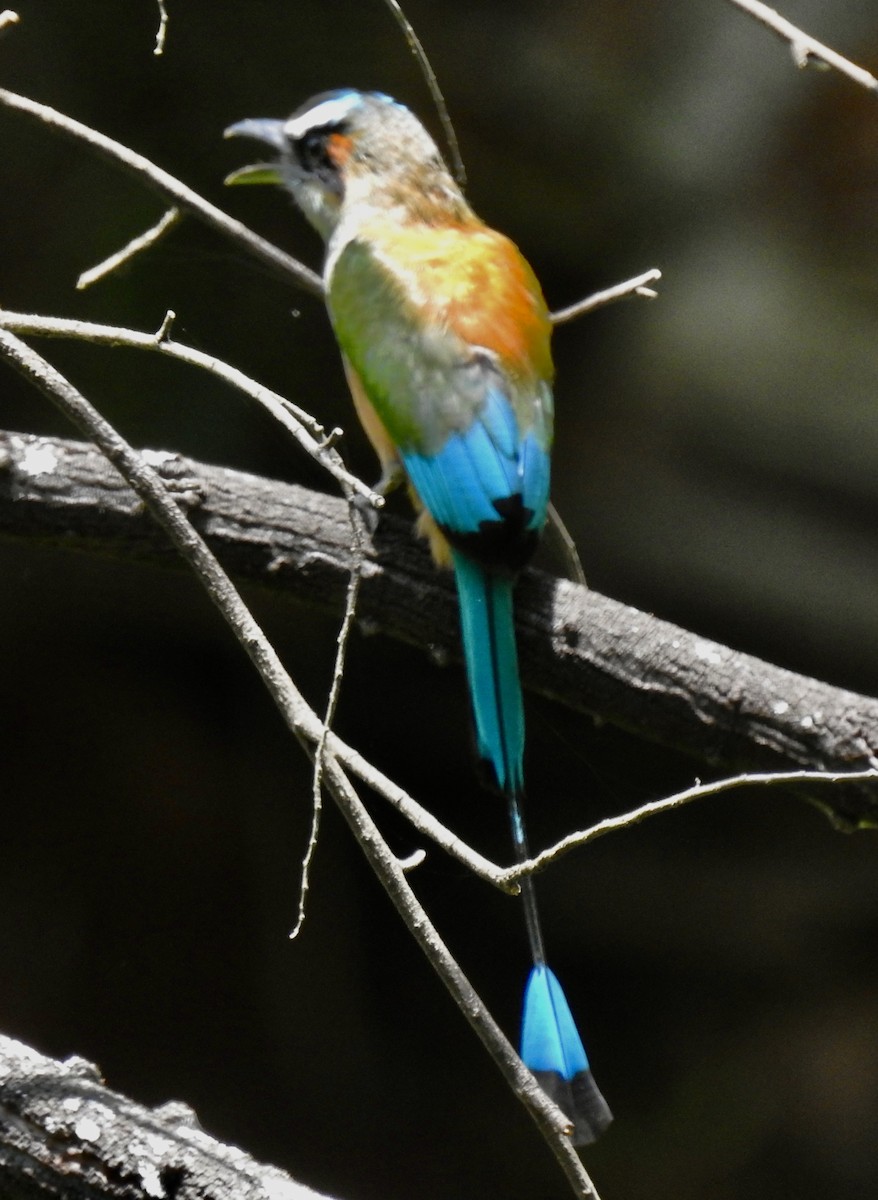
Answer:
(590, 653)
(63, 1132)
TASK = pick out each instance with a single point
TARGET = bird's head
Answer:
(347, 152)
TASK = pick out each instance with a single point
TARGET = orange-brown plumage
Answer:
(475, 282)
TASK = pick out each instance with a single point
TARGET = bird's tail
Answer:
(550, 1043)
(492, 669)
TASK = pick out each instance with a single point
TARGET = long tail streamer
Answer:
(550, 1043)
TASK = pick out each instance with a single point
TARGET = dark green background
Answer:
(716, 463)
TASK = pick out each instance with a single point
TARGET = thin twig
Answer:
(162, 31)
(142, 242)
(171, 188)
(419, 817)
(806, 49)
(639, 286)
(358, 554)
(669, 803)
(554, 1126)
(556, 526)
(308, 432)
(435, 91)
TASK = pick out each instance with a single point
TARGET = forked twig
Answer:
(638, 286)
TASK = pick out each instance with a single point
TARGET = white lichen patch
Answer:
(153, 1146)
(278, 1188)
(157, 458)
(87, 1129)
(152, 1180)
(708, 652)
(38, 459)
(18, 1056)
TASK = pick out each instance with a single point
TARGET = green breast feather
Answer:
(422, 379)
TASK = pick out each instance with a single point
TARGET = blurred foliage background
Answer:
(716, 464)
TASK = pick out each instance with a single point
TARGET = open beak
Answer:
(271, 133)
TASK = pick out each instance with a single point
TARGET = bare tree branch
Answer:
(136, 245)
(169, 187)
(700, 791)
(414, 44)
(805, 49)
(162, 31)
(355, 577)
(49, 486)
(638, 286)
(304, 428)
(589, 652)
(64, 1133)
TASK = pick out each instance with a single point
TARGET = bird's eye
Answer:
(311, 150)
(318, 157)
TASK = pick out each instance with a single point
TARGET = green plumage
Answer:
(414, 373)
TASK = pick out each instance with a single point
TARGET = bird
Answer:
(445, 341)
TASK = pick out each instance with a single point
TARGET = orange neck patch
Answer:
(338, 148)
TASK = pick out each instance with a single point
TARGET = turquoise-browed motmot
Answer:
(445, 336)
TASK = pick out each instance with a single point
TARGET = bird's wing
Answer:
(458, 376)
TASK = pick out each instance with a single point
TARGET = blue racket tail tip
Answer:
(552, 1049)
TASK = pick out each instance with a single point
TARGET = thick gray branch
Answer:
(584, 650)
(64, 1134)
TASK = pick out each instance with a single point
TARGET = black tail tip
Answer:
(579, 1099)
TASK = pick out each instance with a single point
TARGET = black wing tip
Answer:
(579, 1099)
(505, 545)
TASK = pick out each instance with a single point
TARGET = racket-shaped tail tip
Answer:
(552, 1049)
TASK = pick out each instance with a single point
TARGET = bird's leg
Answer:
(392, 475)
